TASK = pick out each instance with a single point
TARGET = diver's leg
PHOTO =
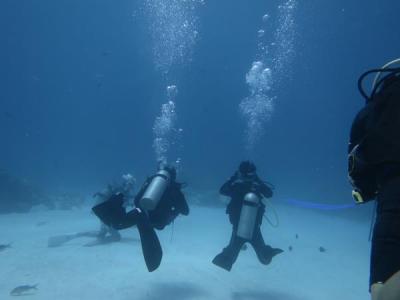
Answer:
(264, 252)
(385, 250)
(127, 220)
(230, 253)
(110, 212)
(385, 259)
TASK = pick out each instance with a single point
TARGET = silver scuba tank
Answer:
(155, 190)
(248, 216)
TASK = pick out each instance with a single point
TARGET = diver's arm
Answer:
(226, 188)
(359, 126)
(262, 188)
(265, 190)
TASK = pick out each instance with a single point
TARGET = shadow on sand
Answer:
(124, 240)
(263, 295)
(176, 291)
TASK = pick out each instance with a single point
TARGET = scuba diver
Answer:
(126, 188)
(246, 211)
(157, 204)
(374, 172)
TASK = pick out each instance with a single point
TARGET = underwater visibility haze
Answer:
(92, 90)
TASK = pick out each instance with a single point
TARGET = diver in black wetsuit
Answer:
(171, 204)
(246, 212)
(374, 171)
(126, 188)
(158, 203)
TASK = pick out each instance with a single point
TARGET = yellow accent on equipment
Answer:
(357, 197)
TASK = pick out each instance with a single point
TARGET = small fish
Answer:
(297, 236)
(290, 248)
(4, 247)
(322, 249)
(23, 290)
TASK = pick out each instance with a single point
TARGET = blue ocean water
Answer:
(80, 89)
(91, 90)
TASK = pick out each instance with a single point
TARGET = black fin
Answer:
(223, 261)
(151, 247)
(266, 253)
(111, 211)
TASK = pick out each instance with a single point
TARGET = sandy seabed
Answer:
(117, 270)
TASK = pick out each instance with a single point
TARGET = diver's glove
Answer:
(235, 179)
(245, 185)
(255, 186)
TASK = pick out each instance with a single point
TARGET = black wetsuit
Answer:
(237, 189)
(376, 129)
(171, 204)
(385, 251)
(108, 233)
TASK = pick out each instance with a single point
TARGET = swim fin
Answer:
(151, 247)
(230, 253)
(223, 261)
(266, 254)
(111, 211)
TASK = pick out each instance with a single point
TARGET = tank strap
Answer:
(249, 203)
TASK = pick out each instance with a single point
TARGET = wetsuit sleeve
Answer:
(359, 127)
(265, 190)
(226, 189)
